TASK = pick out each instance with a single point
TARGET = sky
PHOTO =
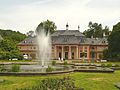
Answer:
(25, 15)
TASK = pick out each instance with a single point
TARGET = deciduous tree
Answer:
(48, 26)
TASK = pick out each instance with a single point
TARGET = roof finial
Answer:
(78, 27)
(67, 26)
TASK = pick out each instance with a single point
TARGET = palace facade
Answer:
(67, 44)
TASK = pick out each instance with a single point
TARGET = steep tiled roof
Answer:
(30, 41)
(67, 32)
(69, 37)
(96, 41)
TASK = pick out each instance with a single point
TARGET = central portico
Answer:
(66, 51)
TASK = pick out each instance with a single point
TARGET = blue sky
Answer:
(25, 15)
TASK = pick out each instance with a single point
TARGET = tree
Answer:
(114, 42)
(9, 50)
(30, 34)
(106, 54)
(113, 51)
(96, 30)
(13, 36)
(1, 38)
(47, 26)
(116, 27)
(8, 44)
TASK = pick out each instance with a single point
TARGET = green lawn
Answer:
(89, 81)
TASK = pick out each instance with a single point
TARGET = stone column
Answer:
(69, 52)
(62, 52)
(76, 52)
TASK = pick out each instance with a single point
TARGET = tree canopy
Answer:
(8, 44)
(48, 26)
(96, 30)
(114, 42)
(14, 36)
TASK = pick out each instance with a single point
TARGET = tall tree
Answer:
(47, 26)
(114, 42)
(96, 30)
(116, 27)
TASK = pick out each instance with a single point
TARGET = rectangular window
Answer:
(81, 51)
(85, 50)
(81, 55)
(85, 47)
(34, 47)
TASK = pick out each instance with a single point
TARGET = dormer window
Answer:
(92, 41)
(24, 41)
(103, 41)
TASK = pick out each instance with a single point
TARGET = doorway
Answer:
(66, 55)
(60, 55)
(72, 55)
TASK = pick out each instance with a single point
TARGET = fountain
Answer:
(43, 40)
(44, 48)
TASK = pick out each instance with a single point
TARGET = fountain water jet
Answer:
(44, 47)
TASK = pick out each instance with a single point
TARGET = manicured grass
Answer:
(97, 81)
(108, 62)
(88, 81)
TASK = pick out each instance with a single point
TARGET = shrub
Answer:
(2, 68)
(102, 65)
(65, 63)
(15, 68)
(49, 69)
(109, 65)
(65, 83)
(53, 62)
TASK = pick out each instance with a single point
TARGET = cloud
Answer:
(104, 4)
(26, 15)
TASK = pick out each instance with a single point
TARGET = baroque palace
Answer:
(67, 44)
